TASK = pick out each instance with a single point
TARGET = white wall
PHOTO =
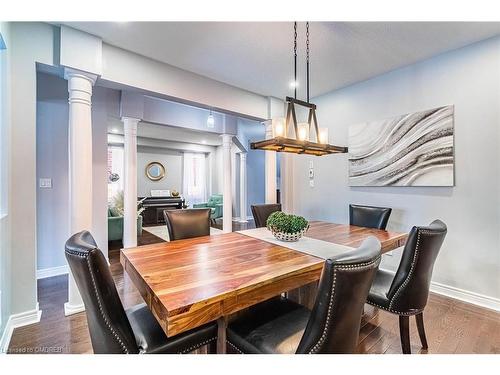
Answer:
(468, 78)
(133, 70)
(5, 121)
(31, 43)
(171, 160)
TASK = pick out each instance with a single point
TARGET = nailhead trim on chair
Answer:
(412, 268)
(196, 346)
(87, 258)
(322, 339)
(234, 347)
(394, 311)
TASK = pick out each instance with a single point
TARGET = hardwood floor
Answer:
(451, 326)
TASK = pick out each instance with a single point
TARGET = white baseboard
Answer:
(238, 219)
(466, 296)
(73, 309)
(50, 272)
(18, 320)
(462, 295)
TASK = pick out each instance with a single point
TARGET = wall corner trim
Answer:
(15, 321)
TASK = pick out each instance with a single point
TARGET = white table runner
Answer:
(311, 246)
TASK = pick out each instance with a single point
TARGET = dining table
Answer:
(191, 282)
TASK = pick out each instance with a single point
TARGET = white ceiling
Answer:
(257, 56)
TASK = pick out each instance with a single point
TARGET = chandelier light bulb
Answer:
(279, 127)
(323, 135)
(303, 131)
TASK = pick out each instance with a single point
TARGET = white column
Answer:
(243, 187)
(270, 168)
(130, 182)
(80, 166)
(227, 210)
(234, 193)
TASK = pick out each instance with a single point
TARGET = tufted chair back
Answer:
(334, 323)
(109, 327)
(410, 287)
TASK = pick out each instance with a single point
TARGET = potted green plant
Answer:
(117, 204)
(287, 227)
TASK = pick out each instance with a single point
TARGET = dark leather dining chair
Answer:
(181, 224)
(112, 328)
(261, 212)
(369, 216)
(285, 327)
(405, 293)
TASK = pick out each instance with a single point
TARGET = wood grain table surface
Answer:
(188, 283)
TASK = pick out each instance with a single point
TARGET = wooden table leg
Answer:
(221, 335)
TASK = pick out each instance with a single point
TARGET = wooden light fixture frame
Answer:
(294, 145)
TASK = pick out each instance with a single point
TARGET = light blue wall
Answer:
(469, 79)
(250, 131)
(52, 162)
(256, 190)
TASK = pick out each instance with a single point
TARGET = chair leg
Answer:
(404, 332)
(421, 331)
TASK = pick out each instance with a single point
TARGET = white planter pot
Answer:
(288, 237)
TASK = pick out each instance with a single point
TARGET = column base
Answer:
(73, 309)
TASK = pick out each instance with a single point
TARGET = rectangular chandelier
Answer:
(301, 144)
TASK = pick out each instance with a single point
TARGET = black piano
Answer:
(154, 206)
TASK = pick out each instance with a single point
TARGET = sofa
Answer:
(115, 225)
(215, 205)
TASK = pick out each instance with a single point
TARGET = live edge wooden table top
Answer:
(191, 282)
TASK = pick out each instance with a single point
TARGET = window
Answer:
(194, 178)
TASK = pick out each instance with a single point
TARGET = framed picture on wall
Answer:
(416, 149)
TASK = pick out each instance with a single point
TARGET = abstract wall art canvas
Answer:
(415, 149)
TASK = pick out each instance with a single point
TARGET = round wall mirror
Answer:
(155, 171)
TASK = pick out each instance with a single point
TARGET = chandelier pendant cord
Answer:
(307, 60)
(301, 143)
(295, 58)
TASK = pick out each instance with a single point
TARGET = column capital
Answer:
(71, 73)
(227, 140)
(130, 126)
(243, 155)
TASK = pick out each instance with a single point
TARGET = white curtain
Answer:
(194, 182)
(115, 165)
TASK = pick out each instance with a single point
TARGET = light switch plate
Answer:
(45, 183)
